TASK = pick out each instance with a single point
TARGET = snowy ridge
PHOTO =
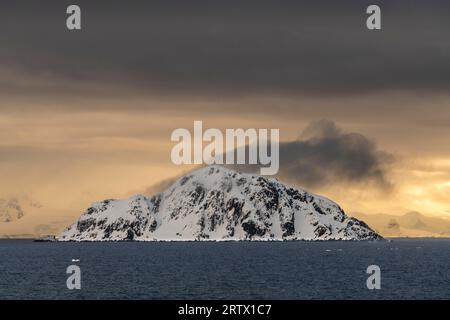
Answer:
(215, 203)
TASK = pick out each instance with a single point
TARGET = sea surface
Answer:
(410, 269)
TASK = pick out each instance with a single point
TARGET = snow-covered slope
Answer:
(215, 203)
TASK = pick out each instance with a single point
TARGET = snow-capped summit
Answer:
(215, 203)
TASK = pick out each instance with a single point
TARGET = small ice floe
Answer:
(75, 260)
(339, 249)
(328, 250)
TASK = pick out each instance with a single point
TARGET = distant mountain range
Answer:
(411, 224)
(215, 203)
(15, 207)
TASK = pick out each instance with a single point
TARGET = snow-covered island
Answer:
(219, 204)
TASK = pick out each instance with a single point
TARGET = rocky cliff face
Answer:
(214, 203)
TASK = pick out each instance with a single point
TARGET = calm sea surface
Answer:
(410, 269)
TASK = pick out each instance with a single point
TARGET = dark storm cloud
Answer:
(324, 154)
(223, 47)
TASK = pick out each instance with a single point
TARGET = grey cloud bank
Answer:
(225, 47)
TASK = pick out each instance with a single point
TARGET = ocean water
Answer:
(410, 269)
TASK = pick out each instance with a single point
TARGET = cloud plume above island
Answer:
(324, 154)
